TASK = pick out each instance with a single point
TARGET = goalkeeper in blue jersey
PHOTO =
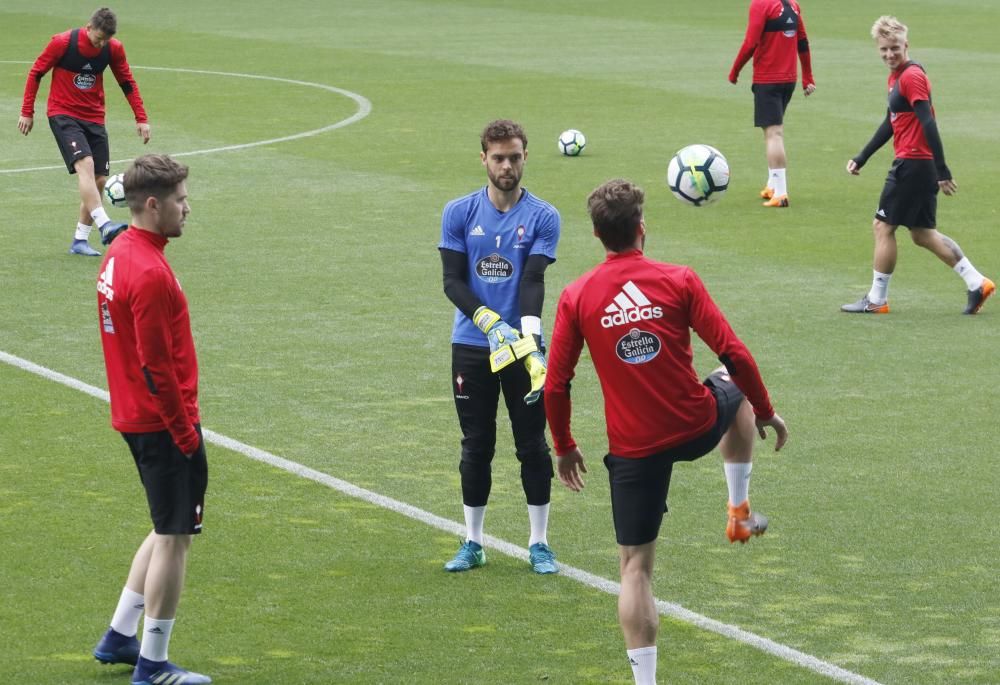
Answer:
(495, 246)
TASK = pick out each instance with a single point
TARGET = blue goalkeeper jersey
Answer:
(497, 246)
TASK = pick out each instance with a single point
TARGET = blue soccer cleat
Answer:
(110, 231)
(115, 648)
(163, 673)
(82, 247)
(543, 559)
(469, 556)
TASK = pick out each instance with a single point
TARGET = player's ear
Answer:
(482, 158)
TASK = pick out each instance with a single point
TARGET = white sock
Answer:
(643, 662)
(474, 517)
(155, 638)
(776, 180)
(538, 516)
(973, 279)
(880, 288)
(738, 480)
(126, 618)
(100, 216)
(82, 231)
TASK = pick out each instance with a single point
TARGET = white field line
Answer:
(665, 608)
(364, 109)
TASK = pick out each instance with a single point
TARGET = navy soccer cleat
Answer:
(82, 247)
(163, 672)
(115, 648)
(110, 231)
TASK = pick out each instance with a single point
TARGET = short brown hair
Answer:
(152, 175)
(616, 209)
(502, 129)
(105, 21)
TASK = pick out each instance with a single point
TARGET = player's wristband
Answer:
(485, 318)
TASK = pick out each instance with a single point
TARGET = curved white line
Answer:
(665, 608)
(364, 109)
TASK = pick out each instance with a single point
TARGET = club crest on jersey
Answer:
(84, 81)
(630, 306)
(637, 347)
(494, 269)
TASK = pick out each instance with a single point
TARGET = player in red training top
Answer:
(776, 32)
(636, 316)
(909, 196)
(153, 381)
(78, 59)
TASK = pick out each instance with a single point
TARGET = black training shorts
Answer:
(78, 139)
(175, 484)
(639, 486)
(769, 102)
(909, 196)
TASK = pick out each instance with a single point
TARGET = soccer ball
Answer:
(114, 190)
(698, 175)
(571, 142)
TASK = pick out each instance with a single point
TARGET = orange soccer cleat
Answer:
(743, 523)
(777, 201)
(979, 296)
(767, 193)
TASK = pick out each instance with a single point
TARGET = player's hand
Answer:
(809, 89)
(25, 124)
(535, 364)
(948, 187)
(497, 331)
(142, 130)
(569, 466)
(778, 424)
(853, 168)
(733, 77)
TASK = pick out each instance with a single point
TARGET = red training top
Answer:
(907, 86)
(775, 34)
(636, 316)
(80, 94)
(146, 335)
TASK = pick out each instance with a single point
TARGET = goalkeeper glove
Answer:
(497, 331)
(535, 364)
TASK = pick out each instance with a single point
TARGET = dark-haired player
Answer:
(78, 58)
(909, 197)
(495, 246)
(153, 382)
(776, 34)
(636, 317)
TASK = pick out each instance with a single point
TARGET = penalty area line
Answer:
(665, 608)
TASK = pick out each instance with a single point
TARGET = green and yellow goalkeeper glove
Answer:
(500, 336)
(535, 364)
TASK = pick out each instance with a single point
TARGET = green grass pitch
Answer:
(314, 283)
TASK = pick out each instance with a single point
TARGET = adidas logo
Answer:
(630, 306)
(478, 230)
(155, 631)
(105, 280)
(790, 21)
(880, 212)
(87, 67)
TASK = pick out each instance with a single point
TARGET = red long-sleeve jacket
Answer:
(775, 35)
(636, 316)
(146, 335)
(80, 94)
